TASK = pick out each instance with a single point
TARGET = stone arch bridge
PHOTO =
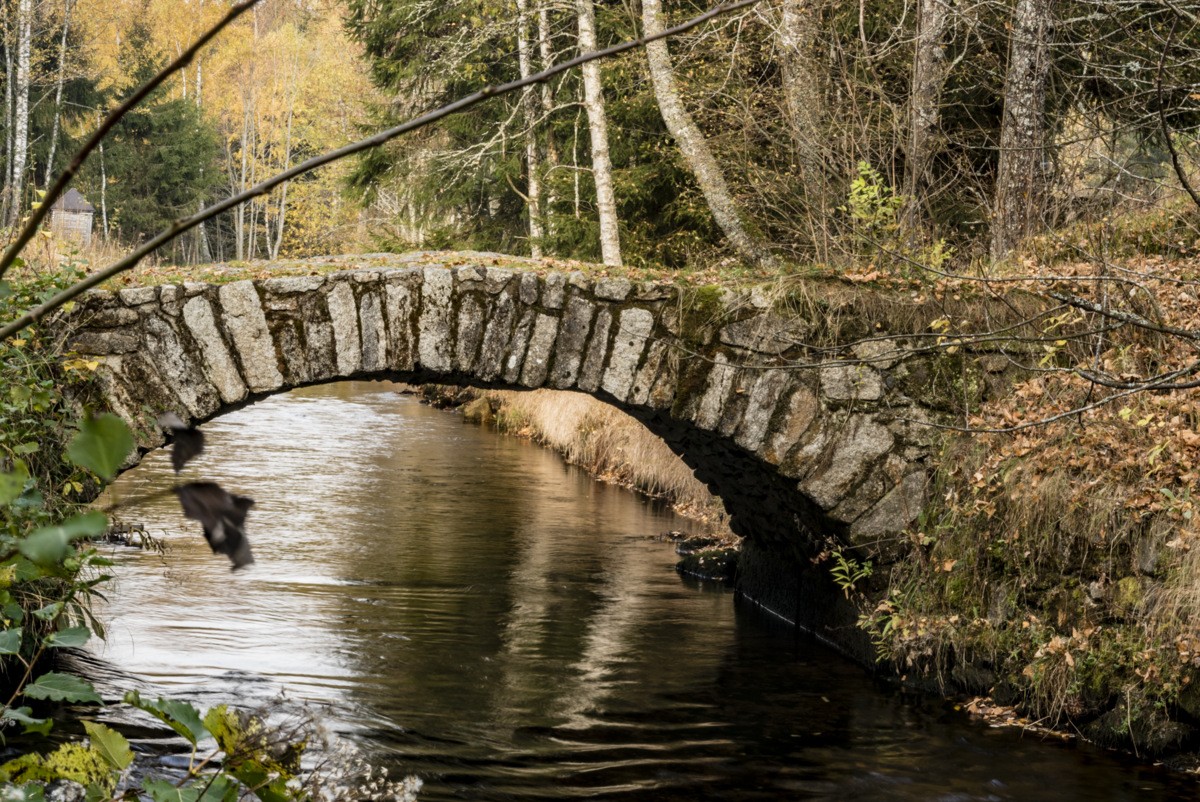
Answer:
(809, 446)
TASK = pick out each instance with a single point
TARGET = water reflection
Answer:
(481, 614)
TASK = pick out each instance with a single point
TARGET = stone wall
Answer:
(810, 448)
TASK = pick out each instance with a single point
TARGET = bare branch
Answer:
(52, 194)
(188, 223)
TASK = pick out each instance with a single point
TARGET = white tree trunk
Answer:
(21, 116)
(691, 141)
(928, 76)
(1019, 175)
(9, 71)
(803, 93)
(593, 103)
(103, 195)
(546, 50)
(58, 92)
(529, 107)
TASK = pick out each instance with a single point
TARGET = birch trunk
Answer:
(9, 69)
(277, 245)
(691, 141)
(103, 195)
(546, 51)
(593, 103)
(58, 92)
(928, 77)
(803, 94)
(1019, 176)
(529, 106)
(21, 115)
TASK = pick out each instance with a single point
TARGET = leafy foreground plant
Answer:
(234, 755)
(49, 572)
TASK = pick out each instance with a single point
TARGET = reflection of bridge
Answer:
(803, 458)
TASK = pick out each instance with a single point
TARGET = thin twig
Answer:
(188, 223)
(60, 184)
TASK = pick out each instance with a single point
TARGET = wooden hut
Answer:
(71, 217)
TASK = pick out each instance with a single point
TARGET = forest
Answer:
(787, 133)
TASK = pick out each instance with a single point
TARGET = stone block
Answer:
(434, 335)
(496, 336)
(541, 344)
(613, 289)
(760, 406)
(597, 351)
(717, 389)
(554, 288)
(136, 296)
(633, 330)
(373, 330)
(844, 457)
(851, 383)
(219, 365)
(245, 320)
(572, 337)
(343, 316)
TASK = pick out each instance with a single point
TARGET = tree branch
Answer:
(52, 194)
(463, 103)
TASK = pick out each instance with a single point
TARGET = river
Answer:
(470, 609)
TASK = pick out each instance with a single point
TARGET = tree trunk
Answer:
(546, 50)
(58, 92)
(928, 76)
(103, 195)
(593, 103)
(275, 247)
(9, 70)
(21, 116)
(803, 95)
(1019, 176)
(529, 106)
(692, 144)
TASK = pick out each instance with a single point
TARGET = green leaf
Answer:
(111, 745)
(57, 687)
(254, 775)
(216, 788)
(70, 638)
(163, 791)
(49, 612)
(13, 482)
(10, 641)
(29, 724)
(49, 544)
(25, 448)
(5, 290)
(179, 716)
(102, 444)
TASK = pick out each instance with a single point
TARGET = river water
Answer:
(474, 611)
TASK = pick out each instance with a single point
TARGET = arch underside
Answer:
(802, 459)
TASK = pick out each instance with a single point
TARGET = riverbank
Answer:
(611, 447)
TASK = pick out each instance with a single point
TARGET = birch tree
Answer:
(20, 152)
(1019, 178)
(58, 91)
(803, 94)
(928, 76)
(529, 106)
(692, 144)
(593, 103)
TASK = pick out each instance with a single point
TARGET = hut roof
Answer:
(73, 201)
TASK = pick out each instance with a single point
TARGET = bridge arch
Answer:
(804, 459)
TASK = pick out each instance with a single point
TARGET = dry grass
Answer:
(610, 444)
